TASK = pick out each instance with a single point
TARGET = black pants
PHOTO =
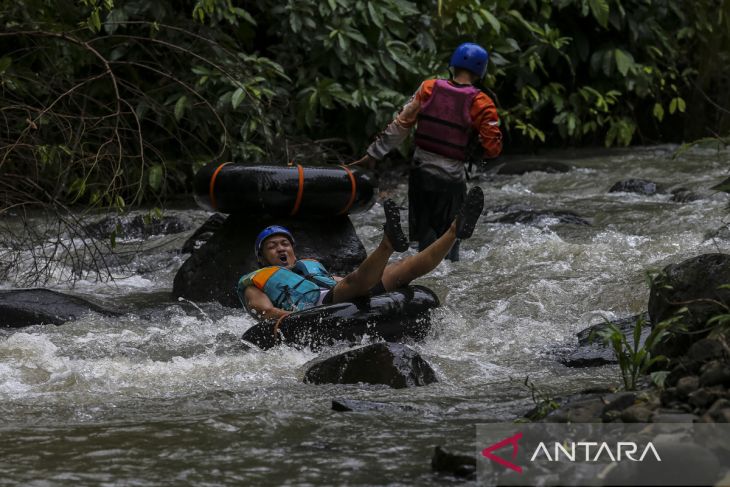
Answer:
(433, 203)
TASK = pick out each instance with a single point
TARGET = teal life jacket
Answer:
(314, 271)
(288, 289)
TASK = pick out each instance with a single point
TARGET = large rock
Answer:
(203, 233)
(26, 307)
(542, 217)
(684, 195)
(593, 352)
(695, 285)
(639, 186)
(455, 464)
(579, 409)
(392, 364)
(212, 271)
(138, 226)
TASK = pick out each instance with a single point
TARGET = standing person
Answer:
(446, 113)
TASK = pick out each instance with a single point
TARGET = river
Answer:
(151, 398)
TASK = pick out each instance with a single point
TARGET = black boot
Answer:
(467, 218)
(392, 228)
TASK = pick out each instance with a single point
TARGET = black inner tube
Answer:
(394, 316)
(284, 190)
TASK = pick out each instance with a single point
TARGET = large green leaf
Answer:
(180, 107)
(5, 63)
(493, 21)
(237, 97)
(154, 177)
(600, 10)
(624, 61)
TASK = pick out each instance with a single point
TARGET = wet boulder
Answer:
(138, 226)
(458, 465)
(27, 307)
(392, 364)
(639, 186)
(203, 233)
(212, 272)
(587, 408)
(541, 217)
(695, 286)
(593, 352)
(684, 195)
(515, 168)
(689, 366)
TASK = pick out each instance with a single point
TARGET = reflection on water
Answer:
(150, 398)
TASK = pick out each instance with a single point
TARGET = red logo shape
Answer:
(512, 440)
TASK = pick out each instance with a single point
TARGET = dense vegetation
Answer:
(116, 102)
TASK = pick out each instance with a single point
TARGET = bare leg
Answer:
(401, 273)
(361, 280)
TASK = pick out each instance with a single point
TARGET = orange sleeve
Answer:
(425, 91)
(409, 114)
(486, 122)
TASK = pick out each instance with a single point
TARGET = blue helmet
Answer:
(268, 232)
(471, 57)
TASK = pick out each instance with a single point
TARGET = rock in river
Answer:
(592, 352)
(26, 307)
(639, 186)
(212, 272)
(393, 364)
(695, 285)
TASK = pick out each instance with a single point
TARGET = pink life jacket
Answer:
(444, 123)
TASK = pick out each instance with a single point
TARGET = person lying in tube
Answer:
(284, 284)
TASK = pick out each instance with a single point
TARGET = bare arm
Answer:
(261, 306)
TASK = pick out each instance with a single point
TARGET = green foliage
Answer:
(124, 98)
(634, 358)
(113, 114)
(720, 323)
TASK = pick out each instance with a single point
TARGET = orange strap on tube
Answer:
(353, 185)
(278, 324)
(211, 191)
(300, 191)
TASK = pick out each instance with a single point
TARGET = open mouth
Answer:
(283, 259)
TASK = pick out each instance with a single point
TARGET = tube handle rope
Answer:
(275, 331)
(211, 188)
(300, 191)
(353, 192)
